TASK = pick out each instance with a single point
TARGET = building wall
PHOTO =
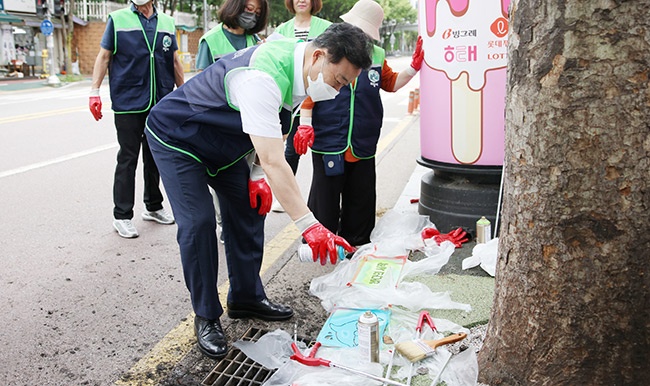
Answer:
(85, 44)
(86, 41)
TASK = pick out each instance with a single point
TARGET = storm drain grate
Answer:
(236, 369)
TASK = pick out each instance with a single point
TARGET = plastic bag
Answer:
(334, 289)
(484, 255)
(271, 350)
(462, 369)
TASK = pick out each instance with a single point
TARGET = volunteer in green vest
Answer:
(139, 50)
(201, 135)
(304, 26)
(345, 134)
(241, 20)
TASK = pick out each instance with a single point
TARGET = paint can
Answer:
(305, 254)
(483, 231)
(368, 335)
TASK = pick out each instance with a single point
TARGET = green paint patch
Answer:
(477, 291)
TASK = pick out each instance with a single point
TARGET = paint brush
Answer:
(418, 349)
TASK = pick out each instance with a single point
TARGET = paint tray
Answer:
(340, 329)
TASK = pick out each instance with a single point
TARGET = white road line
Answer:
(64, 158)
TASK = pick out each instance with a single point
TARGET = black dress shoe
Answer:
(264, 310)
(210, 337)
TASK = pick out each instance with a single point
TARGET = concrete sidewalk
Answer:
(19, 84)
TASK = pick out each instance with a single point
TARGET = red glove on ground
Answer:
(458, 236)
(259, 189)
(95, 105)
(322, 241)
(428, 233)
(418, 55)
(303, 139)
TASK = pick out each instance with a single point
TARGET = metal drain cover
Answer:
(236, 369)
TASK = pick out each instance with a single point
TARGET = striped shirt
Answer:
(301, 33)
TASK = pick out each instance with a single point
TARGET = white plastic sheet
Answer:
(392, 237)
(484, 255)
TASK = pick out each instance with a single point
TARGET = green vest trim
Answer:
(276, 59)
(218, 42)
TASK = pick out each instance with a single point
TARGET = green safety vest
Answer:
(219, 44)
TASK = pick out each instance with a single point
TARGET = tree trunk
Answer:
(571, 303)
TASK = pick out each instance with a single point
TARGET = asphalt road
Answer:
(83, 306)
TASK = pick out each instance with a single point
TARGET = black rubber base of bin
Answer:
(453, 200)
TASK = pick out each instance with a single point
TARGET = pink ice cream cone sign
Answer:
(463, 80)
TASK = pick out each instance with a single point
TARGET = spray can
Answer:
(483, 230)
(306, 255)
(368, 334)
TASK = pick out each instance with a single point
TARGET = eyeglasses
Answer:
(250, 7)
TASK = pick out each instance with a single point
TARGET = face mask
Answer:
(318, 90)
(247, 20)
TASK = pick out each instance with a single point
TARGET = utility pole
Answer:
(47, 29)
(205, 16)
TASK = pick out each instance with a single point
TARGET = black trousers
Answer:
(345, 204)
(290, 154)
(130, 137)
(186, 183)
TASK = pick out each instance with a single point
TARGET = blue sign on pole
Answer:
(47, 27)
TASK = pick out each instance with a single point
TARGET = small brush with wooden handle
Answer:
(416, 350)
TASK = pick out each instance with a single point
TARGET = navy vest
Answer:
(134, 86)
(197, 119)
(354, 118)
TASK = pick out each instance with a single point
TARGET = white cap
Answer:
(140, 2)
(367, 15)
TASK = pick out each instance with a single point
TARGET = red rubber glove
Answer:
(323, 242)
(418, 55)
(303, 139)
(259, 190)
(458, 237)
(95, 105)
(428, 233)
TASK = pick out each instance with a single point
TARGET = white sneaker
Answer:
(125, 228)
(276, 206)
(160, 216)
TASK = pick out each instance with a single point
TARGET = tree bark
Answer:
(571, 303)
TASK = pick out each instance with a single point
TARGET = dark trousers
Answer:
(130, 136)
(345, 204)
(186, 183)
(290, 154)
